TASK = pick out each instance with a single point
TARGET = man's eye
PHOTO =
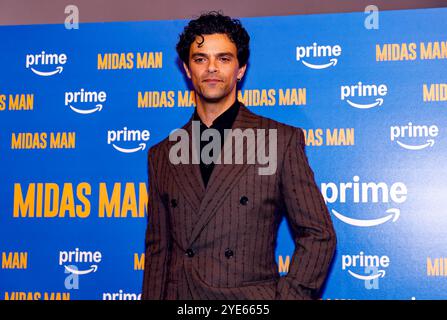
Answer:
(225, 59)
(199, 60)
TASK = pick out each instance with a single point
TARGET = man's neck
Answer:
(209, 111)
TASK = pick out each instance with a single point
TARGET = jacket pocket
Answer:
(260, 282)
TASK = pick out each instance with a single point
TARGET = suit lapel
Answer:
(224, 176)
(188, 176)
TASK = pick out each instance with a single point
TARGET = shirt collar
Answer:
(225, 120)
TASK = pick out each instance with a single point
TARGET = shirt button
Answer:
(243, 200)
(189, 253)
(229, 253)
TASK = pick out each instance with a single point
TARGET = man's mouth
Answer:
(212, 80)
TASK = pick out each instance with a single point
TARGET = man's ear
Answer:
(187, 70)
(241, 72)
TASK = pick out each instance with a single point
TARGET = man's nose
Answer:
(212, 66)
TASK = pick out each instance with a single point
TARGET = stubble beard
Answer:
(214, 97)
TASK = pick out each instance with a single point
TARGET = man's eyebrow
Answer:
(199, 55)
(220, 54)
(225, 54)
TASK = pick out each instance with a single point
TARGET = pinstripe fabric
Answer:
(183, 214)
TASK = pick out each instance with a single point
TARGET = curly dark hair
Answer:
(210, 23)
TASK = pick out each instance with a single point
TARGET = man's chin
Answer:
(213, 98)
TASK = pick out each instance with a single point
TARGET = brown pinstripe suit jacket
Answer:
(209, 243)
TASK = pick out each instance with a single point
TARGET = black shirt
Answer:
(222, 122)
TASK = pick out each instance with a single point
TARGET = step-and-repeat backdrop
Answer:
(80, 108)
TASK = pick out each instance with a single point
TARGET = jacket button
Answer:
(165, 199)
(173, 203)
(229, 253)
(189, 253)
(243, 200)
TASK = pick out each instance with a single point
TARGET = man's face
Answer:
(213, 67)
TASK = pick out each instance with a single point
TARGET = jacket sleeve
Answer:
(156, 240)
(310, 224)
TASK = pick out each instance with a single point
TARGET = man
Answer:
(212, 227)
